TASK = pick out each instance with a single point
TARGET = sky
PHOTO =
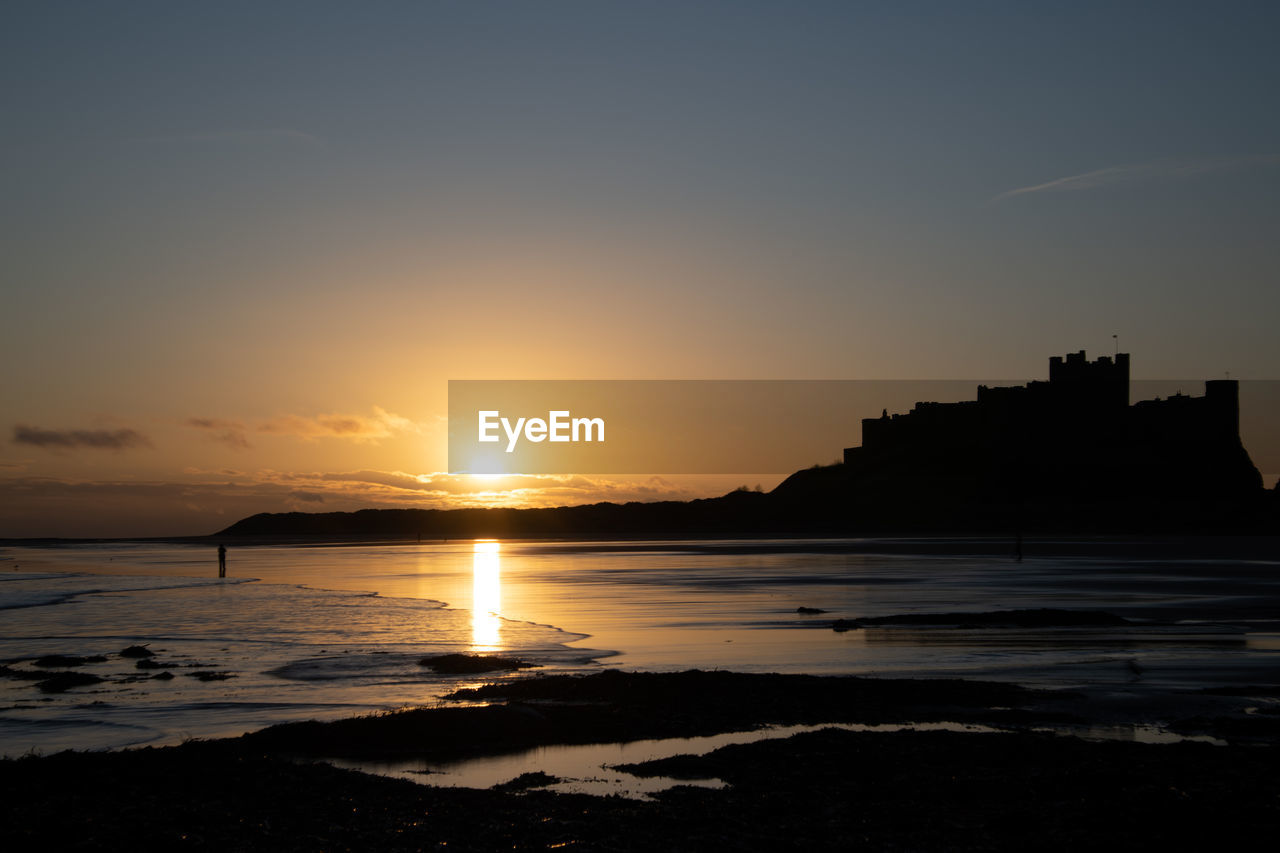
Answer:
(245, 246)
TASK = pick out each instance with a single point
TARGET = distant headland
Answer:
(1066, 455)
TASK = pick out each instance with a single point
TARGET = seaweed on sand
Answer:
(460, 664)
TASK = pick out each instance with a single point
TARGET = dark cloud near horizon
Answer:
(29, 488)
(71, 439)
(35, 506)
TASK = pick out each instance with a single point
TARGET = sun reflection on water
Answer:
(486, 596)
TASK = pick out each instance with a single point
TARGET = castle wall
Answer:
(1083, 407)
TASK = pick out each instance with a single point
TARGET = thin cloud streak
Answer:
(1159, 170)
(267, 136)
(445, 490)
(272, 491)
(357, 428)
(73, 439)
(230, 433)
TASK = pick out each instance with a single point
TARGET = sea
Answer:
(323, 631)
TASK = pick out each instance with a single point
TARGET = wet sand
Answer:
(828, 789)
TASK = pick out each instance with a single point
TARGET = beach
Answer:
(827, 789)
(690, 695)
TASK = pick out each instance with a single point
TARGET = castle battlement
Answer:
(1083, 405)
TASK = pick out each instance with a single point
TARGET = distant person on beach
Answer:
(222, 561)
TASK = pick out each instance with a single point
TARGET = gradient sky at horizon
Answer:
(245, 245)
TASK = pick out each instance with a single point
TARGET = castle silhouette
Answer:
(1069, 446)
(1083, 410)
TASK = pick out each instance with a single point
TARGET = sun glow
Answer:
(486, 596)
(489, 469)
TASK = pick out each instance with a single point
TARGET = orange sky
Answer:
(244, 246)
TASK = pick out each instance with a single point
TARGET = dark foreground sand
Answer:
(827, 790)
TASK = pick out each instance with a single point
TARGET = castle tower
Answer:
(1222, 397)
(1087, 386)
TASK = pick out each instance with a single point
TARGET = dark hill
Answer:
(729, 514)
(822, 501)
